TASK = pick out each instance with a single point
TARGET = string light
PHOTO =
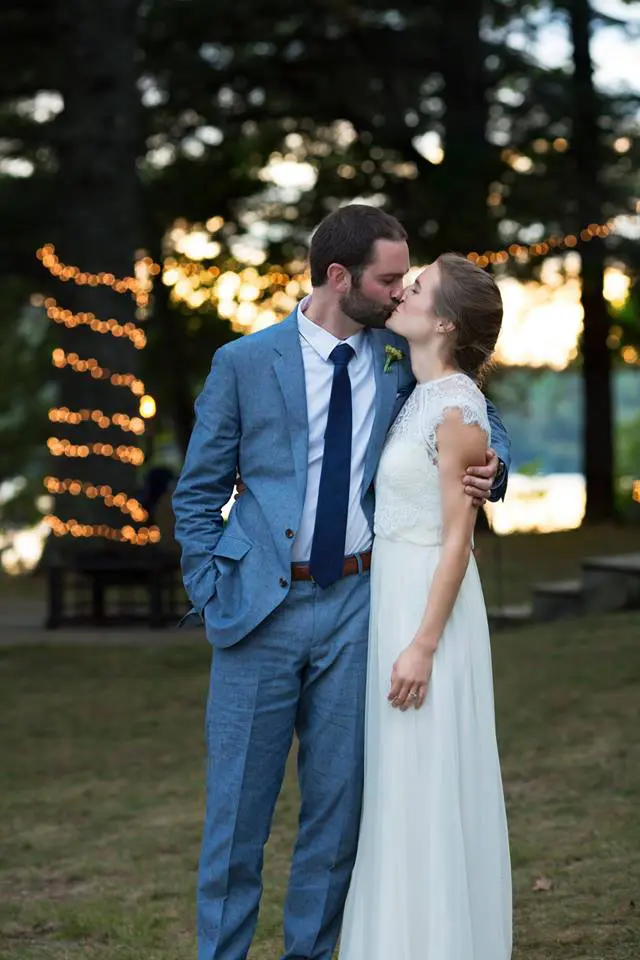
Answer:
(126, 534)
(61, 359)
(102, 420)
(630, 355)
(138, 288)
(523, 252)
(122, 453)
(127, 505)
(147, 407)
(71, 320)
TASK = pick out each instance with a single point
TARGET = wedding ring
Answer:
(413, 695)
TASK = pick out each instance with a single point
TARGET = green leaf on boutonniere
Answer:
(392, 356)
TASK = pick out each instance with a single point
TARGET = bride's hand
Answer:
(410, 677)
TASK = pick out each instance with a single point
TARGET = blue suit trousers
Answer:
(301, 671)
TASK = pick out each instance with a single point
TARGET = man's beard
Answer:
(361, 309)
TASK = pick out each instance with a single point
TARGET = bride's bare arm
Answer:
(459, 445)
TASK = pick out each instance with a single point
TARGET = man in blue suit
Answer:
(300, 411)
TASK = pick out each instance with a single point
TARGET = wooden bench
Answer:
(105, 589)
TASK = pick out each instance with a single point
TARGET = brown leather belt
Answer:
(353, 565)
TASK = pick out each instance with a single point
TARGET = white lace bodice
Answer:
(408, 505)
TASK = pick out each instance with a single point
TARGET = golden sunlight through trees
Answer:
(543, 318)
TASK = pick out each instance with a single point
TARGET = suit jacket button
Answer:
(289, 534)
(284, 583)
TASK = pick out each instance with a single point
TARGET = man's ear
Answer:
(339, 278)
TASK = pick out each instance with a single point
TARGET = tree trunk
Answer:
(466, 171)
(171, 338)
(99, 232)
(586, 151)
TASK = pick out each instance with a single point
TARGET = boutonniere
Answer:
(392, 355)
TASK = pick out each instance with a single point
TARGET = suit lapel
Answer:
(386, 390)
(289, 370)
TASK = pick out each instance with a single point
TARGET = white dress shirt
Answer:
(317, 344)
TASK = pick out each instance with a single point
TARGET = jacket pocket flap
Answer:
(231, 547)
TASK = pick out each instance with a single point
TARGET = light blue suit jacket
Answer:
(251, 418)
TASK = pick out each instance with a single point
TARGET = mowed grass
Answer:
(101, 797)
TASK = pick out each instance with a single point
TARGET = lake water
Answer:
(542, 504)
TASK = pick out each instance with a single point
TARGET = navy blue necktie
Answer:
(330, 531)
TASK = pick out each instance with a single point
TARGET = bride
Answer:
(432, 879)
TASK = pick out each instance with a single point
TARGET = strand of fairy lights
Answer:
(523, 252)
(71, 320)
(140, 290)
(126, 534)
(122, 453)
(61, 359)
(127, 505)
(65, 272)
(101, 420)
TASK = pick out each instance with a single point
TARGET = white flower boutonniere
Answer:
(392, 356)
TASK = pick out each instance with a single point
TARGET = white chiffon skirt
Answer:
(432, 879)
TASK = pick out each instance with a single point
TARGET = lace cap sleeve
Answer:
(456, 392)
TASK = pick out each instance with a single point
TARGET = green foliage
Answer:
(626, 329)
(348, 89)
(25, 396)
(628, 448)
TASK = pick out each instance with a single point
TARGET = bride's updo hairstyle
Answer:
(468, 297)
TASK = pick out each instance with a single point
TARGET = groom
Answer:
(301, 411)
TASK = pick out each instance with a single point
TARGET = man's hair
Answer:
(347, 236)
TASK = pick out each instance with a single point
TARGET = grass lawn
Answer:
(101, 770)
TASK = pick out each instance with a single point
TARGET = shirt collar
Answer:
(320, 339)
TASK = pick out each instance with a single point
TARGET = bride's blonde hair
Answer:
(468, 297)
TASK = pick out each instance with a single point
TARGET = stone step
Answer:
(558, 599)
(628, 563)
(510, 615)
(612, 583)
(563, 588)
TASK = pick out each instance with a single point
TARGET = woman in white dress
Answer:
(432, 879)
